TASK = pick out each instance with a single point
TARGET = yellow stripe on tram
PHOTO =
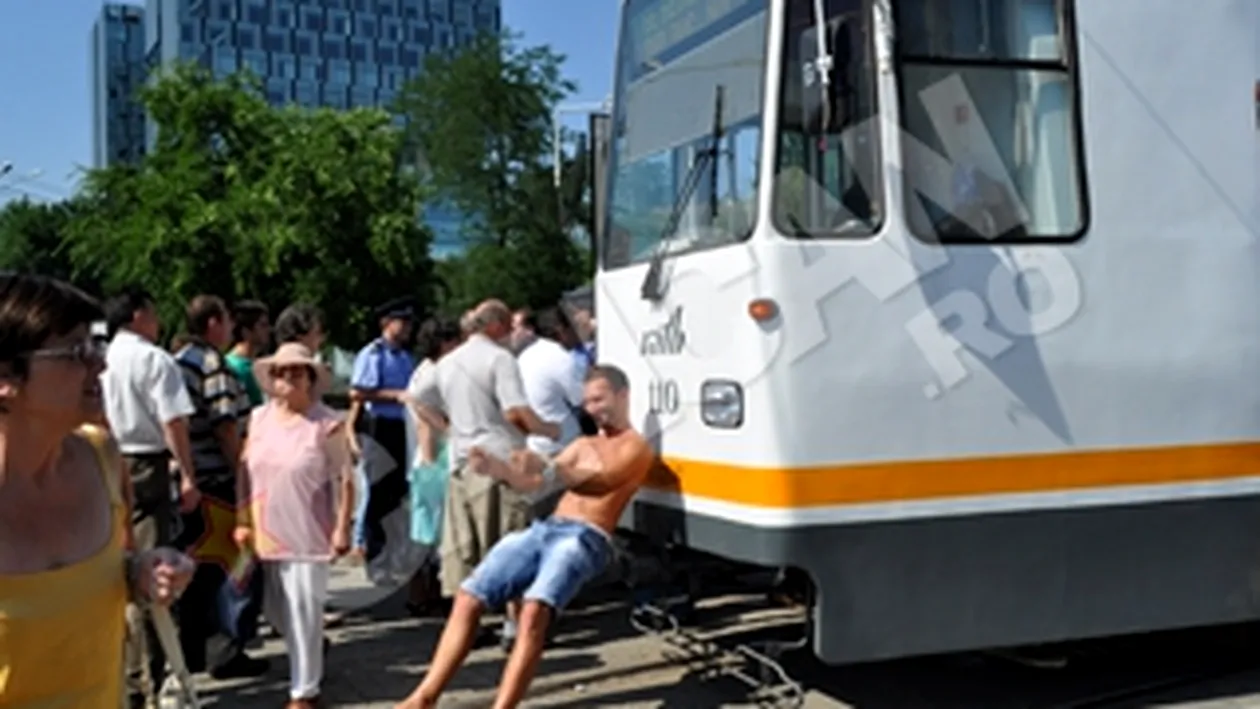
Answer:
(904, 481)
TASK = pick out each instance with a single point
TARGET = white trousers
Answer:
(293, 603)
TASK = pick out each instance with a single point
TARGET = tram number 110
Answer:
(663, 396)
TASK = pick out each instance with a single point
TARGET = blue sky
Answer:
(45, 108)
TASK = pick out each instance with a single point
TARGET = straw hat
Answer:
(291, 354)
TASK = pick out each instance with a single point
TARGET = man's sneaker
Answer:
(507, 636)
(241, 666)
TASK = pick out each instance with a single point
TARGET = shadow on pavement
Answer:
(380, 653)
(597, 659)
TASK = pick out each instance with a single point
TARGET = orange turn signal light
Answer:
(763, 309)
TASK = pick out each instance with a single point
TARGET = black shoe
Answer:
(241, 666)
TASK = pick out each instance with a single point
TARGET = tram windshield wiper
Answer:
(654, 283)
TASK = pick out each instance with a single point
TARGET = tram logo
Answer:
(668, 339)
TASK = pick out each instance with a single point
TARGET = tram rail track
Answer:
(1127, 673)
(731, 629)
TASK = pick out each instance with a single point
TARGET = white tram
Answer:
(951, 304)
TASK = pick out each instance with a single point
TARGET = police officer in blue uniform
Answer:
(382, 370)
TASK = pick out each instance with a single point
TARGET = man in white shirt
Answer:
(552, 380)
(147, 407)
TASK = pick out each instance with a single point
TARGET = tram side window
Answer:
(666, 98)
(989, 118)
(827, 161)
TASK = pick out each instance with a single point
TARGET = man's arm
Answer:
(221, 398)
(382, 395)
(229, 437)
(349, 429)
(367, 379)
(174, 406)
(424, 399)
(175, 433)
(579, 467)
(511, 395)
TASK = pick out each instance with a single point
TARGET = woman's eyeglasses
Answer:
(86, 352)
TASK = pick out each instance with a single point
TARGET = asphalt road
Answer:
(599, 660)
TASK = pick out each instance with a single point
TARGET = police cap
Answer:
(397, 309)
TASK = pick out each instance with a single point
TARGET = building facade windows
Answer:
(118, 70)
(314, 53)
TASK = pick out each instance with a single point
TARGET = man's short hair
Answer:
(246, 314)
(616, 378)
(297, 321)
(434, 334)
(490, 312)
(201, 310)
(120, 310)
(551, 324)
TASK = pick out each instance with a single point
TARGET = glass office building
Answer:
(118, 71)
(336, 53)
(333, 53)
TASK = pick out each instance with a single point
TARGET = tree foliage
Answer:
(32, 239)
(480, 131)
(246, 200)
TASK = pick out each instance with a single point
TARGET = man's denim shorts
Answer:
(548, 562)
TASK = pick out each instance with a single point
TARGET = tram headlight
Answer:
(722, 404)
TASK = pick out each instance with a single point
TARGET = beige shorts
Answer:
(478, 512)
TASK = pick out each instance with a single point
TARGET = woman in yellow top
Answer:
(65, 575)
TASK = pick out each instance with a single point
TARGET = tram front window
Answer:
(827, 162)
(674, 59)
(989, 119)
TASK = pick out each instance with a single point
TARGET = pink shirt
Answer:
(294, 466)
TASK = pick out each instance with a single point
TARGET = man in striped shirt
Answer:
(219, 611)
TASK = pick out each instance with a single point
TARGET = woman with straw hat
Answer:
(299, 483)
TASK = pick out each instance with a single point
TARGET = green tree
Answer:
(32, 239)
(246, 200)
(480, 130)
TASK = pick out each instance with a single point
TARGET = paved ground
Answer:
(599, 661)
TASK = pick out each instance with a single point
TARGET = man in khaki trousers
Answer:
(477, 389)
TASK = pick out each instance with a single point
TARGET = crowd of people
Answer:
(234, 486)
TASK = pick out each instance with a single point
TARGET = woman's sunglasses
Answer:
(287, 372)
